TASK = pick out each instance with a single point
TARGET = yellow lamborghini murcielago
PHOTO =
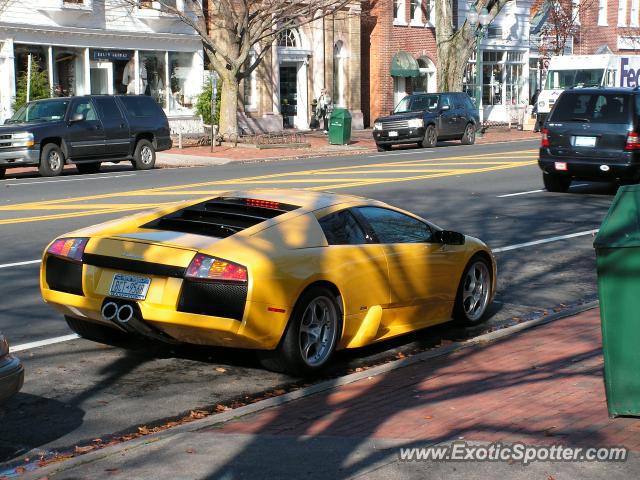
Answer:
(296, 274)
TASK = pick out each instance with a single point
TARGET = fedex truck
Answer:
(579, 71)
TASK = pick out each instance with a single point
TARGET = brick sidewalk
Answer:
(541, 386)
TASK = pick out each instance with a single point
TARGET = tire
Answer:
(2, 172)
(430, 137)
(85, 168)
(474, 292)
(144, 157)
(51, 160)
(383, 148)
(469, 136)
(556, 183)
(95, 332)
(297, 353)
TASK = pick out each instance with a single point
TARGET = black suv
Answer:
(591, 134)
(425, 118)
(85, 131)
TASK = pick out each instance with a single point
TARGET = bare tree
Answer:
(562, 24)
(232, 29)
(455, 46)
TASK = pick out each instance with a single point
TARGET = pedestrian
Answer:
(323, 108)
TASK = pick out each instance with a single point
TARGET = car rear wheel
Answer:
(430, 137)
(555, 183)
(474, 292)
(51, 160)
(311, 336)
(96, 332)
(383, 148)
(469, 136)
(93, 167)
(144, 157)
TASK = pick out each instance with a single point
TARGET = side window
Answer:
(420, 103)
(459, 102)
(341, 228)
(141, 106)
(468, 103)
(445, 100)
(108, 109)
(395, 227)
(86, 108)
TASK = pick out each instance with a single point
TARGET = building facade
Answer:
(102, 47)
(398, 53)
(322, 54)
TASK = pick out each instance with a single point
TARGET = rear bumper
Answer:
(20, 157)
(625, 167)
(405, 135)
(11, 376)
(259, 329)
(163, 143)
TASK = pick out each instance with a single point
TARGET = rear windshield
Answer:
(141, 106)
(592, 108)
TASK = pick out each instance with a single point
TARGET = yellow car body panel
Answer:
(384, 290)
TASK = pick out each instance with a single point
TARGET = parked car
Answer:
(85, 131)
(425, 118)
(591, 134)
(296, 274)
(11, 371)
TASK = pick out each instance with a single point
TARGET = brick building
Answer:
(398, 53)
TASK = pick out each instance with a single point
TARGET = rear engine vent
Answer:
(220, 217)
(217, 299)
(64, 275)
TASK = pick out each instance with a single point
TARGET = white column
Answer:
(7, 79)
(275, 78)
(87, 73)
(302, 116)
(136, 67)
(167, 81)
(50, 68)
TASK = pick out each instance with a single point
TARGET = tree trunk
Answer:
(454, 48)
(229, 104)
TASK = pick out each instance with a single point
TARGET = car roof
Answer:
(602, 90)
(62, 99)
(305, 199)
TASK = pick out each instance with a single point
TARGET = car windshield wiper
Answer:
(580, 119)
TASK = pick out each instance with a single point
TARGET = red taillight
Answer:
(71, 248)
(545, 138)
(204, 267)
(252, 202)
(633, 141)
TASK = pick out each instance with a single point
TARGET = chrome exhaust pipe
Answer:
(109, 311)
(125, 313)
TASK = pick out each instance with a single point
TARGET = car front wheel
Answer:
(51, 160)
(311, 336)
(555, 183)
(144, 157)
(474, 292)
(430, 137)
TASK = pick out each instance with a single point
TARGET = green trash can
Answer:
(340, 127)
(618, 261)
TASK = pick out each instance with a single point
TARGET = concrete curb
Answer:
(252, 408)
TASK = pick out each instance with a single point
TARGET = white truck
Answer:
(579, 71)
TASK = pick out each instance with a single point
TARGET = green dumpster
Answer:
(618, 261)
(340, 127)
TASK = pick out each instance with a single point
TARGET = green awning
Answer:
(404, 65)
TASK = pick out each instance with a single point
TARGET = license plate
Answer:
(129, 286)
(585, 141)
(561, 165)
(393, 134)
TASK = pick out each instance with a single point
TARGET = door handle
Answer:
(97, 127)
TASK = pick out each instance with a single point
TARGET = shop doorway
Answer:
(101, 78)
(288, 94)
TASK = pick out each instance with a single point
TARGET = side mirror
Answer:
(445, 108)
(76, 117)
(447, 237)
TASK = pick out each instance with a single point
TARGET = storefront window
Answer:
(39, 56)
(68, 71)
(501, 77)
(156, 74)
(181, 94)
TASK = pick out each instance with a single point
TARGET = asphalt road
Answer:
(77, 391)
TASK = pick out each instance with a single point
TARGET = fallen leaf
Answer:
(428, 417)
(221, 370)
(86, 449)
(279, 391)
(190, 450)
